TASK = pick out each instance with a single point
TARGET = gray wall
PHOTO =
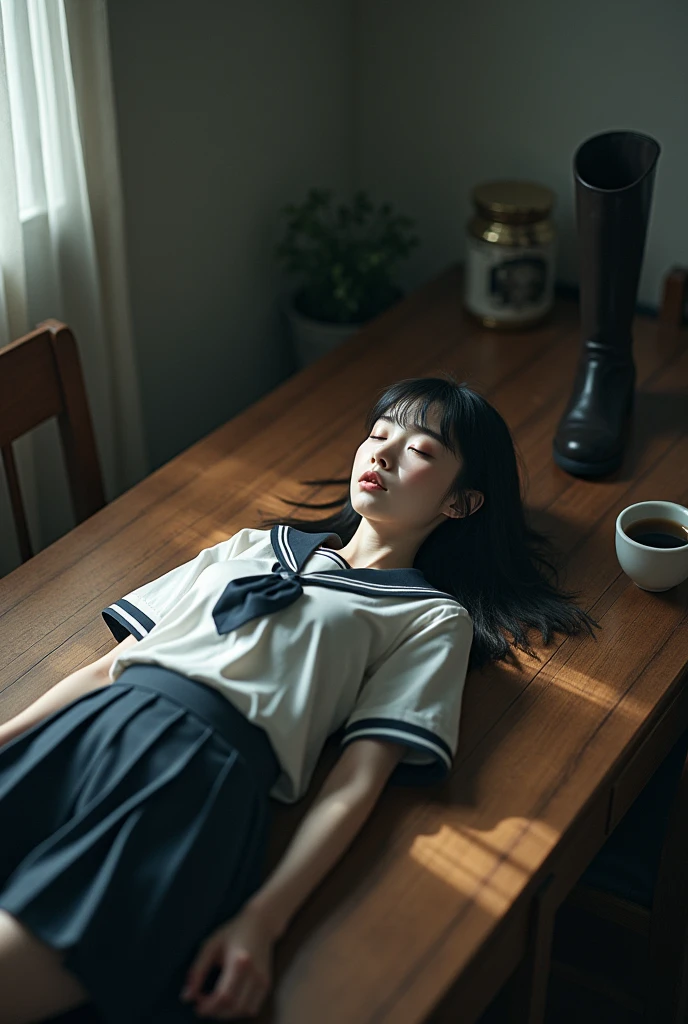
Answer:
(450, 94)
(226, 112)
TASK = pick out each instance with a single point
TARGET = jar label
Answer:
(509, 283)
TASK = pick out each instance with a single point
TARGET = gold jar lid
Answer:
(513, 202)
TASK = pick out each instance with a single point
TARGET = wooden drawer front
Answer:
(584, 841)
(649, 755)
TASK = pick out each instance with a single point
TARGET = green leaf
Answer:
(343, 258)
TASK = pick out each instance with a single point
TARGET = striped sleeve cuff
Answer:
(438, 753)
(122, 618)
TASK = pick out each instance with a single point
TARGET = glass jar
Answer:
(509, 280)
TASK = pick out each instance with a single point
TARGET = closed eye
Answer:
(425, 455)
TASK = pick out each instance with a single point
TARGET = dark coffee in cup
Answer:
(658, 533)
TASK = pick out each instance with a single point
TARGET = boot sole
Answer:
(587, 468)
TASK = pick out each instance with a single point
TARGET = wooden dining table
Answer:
(449, 890)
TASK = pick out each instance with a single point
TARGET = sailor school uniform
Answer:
(304, 645)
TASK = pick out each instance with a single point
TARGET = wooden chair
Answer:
(639, 879)
(40, 377)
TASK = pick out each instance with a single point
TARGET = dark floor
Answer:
(613, 956)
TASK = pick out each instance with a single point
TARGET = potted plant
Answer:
(344, 260)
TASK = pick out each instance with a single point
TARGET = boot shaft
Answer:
(614, 178)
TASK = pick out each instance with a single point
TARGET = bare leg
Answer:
(33, 985)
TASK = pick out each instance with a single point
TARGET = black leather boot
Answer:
(614, 175)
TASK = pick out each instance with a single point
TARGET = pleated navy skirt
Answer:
(135, 821)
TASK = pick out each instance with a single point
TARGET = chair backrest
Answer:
(40, 377)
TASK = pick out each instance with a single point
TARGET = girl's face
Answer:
(414, 467)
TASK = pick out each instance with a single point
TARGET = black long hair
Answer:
(492, 561)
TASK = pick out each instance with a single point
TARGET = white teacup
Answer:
(652, 568)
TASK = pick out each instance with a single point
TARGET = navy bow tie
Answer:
(252, 596)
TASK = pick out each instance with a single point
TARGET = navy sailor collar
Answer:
(250, 597)
(294, 547)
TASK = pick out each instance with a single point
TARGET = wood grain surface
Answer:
(428, 912)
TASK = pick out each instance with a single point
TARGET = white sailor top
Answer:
(304, 645)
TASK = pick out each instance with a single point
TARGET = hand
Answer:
(242, 949)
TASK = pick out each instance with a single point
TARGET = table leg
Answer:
(527, 988)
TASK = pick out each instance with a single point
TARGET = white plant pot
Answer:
(312, 339)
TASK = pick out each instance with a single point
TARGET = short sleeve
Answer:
(141, 609)
(414, 696)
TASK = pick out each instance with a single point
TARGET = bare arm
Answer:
(343, 804)
(90, 677)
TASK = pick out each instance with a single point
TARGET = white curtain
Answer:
(62, 248)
